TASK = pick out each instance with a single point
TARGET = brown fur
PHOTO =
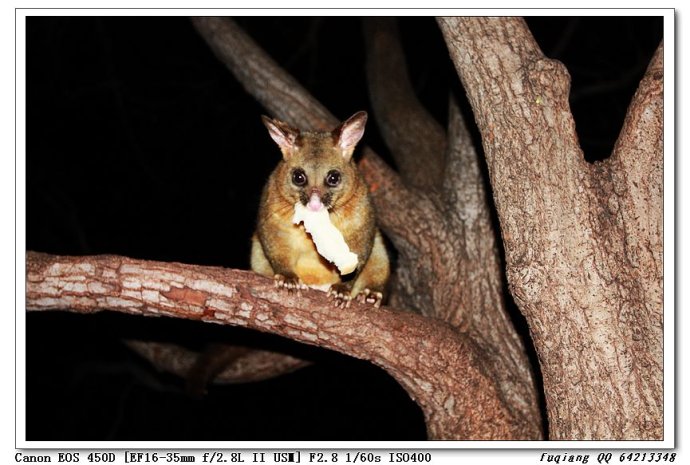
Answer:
(280, 247)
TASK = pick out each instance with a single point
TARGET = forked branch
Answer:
(582, 241)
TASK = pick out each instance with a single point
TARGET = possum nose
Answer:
(315, 203)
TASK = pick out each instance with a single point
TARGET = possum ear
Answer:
(282, 134)
(349, 133)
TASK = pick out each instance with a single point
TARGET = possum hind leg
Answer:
(260, 264)
(371, 281)
(258, 261)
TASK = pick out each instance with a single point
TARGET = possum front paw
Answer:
(291, 284)
(340, 294)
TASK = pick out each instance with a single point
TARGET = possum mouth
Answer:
(316, 201)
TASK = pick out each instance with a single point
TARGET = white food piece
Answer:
(329, 241)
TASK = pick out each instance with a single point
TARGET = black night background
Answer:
(140, 143)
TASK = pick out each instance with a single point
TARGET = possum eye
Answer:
(333, 178)
(299, 177)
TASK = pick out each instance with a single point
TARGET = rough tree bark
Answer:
(582, 243)
(433, 361)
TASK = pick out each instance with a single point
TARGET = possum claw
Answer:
(340, 295)
(368, 296)
(292, 285)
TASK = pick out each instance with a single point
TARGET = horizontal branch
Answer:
(439, 367)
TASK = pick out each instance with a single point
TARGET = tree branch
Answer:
(415, 139)
(479, 304)
(248, 366)
(627, 206)
(438, 366)
(637, 166)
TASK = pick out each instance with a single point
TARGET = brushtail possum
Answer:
(317, 175)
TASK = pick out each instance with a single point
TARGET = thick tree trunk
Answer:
(583, 242)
